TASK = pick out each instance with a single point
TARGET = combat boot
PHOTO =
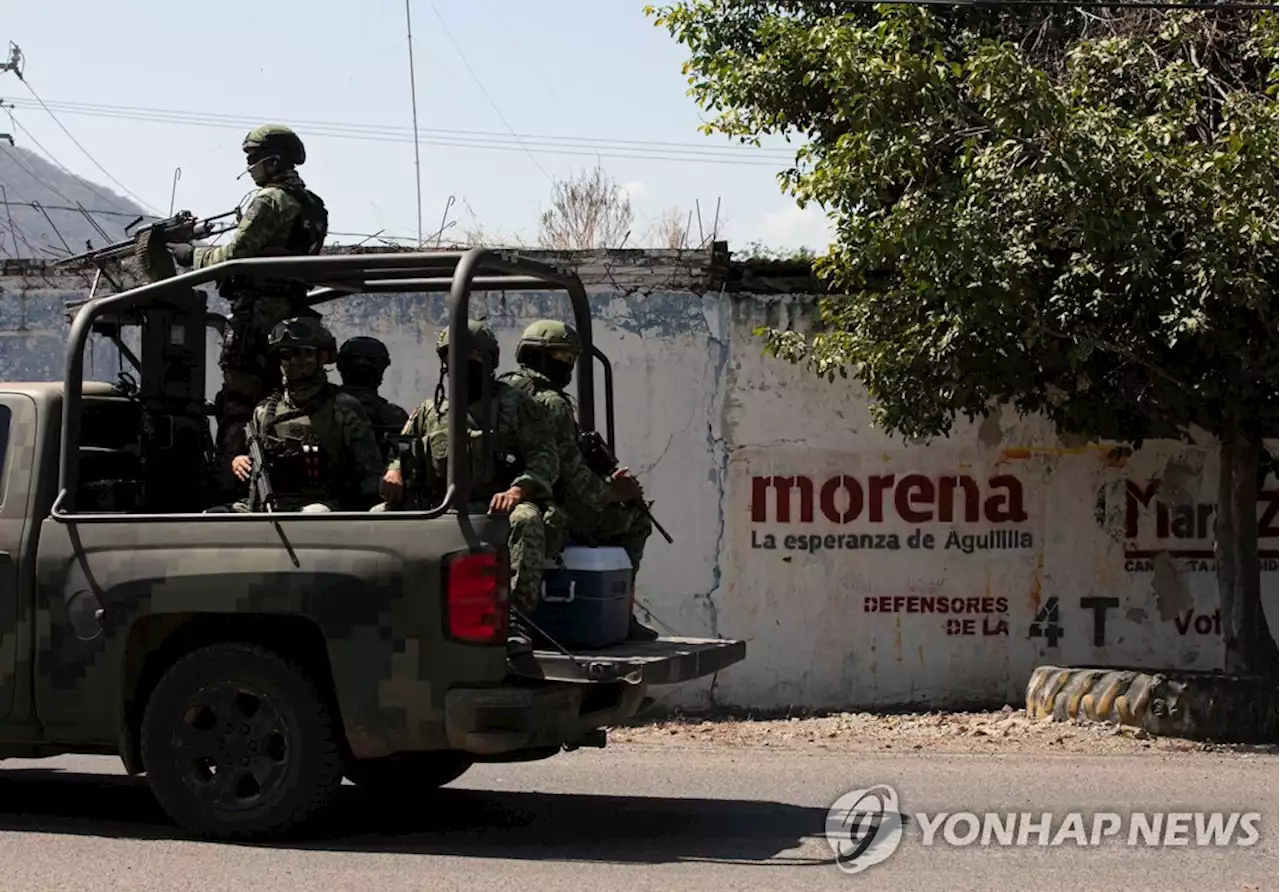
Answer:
(638, 631)
(519, 639)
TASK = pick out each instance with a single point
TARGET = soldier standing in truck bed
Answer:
(362, 361)
(283, 218)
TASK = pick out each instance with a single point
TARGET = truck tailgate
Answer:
(661, 661)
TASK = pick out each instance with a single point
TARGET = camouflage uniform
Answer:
(318, 442)
(282, 218)
(523, 454)
(594, 517)
(362, 361)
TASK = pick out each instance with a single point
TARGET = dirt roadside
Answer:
(1005, 731)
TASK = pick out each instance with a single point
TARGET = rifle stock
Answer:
(596, 454)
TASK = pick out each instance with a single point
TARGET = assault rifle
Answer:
(596, 454)
(181, 227)
(260, 478)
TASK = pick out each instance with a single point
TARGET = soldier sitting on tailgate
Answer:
(362, 361)
(599, 512)
(515, 479)
(320, 449)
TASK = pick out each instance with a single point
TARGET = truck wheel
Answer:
(409, 774)
(238, 744)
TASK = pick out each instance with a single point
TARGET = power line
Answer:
(480, 84)
(107, 173)
(463, 137)
(142, 113)
(54, 159)
(548, 148)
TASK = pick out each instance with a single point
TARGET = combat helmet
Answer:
(482, 339)
(275, 138)
(302, 331)
(548, 334)
(364, 347)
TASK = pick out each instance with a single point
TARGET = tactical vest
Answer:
(526, 383)
(300, 457)
(306, 236)
(490, 474)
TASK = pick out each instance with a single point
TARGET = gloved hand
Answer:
(183, 253)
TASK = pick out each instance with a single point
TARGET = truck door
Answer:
(17, 441)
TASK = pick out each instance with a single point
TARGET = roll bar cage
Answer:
(337, 276)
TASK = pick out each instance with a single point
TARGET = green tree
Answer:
(1072, 212)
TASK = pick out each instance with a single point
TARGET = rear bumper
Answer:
(488, 721)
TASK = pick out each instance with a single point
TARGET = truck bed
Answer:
(661, 661)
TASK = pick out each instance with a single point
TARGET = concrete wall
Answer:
(862, 571)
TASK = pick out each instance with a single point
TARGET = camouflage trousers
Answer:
(624, 526)
(249, 374)
(537, 535)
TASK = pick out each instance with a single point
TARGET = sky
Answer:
(578, 82)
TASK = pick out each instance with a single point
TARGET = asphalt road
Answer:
(636, 817)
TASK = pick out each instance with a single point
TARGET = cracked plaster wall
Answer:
(701, 413)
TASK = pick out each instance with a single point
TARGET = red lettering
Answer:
(913, 488)
(970, 627)
(1132, 498)
(898, 601)
(971, 606)
(782, 503)
(868, 605)
(1184, 622)
(926, 605)
(946, 498)
(827, 499)
(915, 497)
(1005, 507)
(957, 605)
(879, 484)
(1268, 528)
(886, 604)
(913, 604)
(1190, 520)
(1002, 605)
(987, 604)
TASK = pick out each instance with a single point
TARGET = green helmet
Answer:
(549, 334)
(277, 138)
(364, 347)
(302, 331)
(482, 338)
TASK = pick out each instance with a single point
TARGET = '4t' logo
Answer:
(1045, 624)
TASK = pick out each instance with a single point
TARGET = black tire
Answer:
(407, 775)
(281, 773)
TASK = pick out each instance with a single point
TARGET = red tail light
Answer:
(476, 593)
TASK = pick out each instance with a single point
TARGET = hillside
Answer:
(25, 232)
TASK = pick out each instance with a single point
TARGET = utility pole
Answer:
(413, 95)
(15, 64)
(8, 136)
(16, 60)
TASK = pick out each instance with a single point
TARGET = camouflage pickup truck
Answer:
(248, 662)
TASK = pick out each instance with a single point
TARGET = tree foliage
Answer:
(1073, 212)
